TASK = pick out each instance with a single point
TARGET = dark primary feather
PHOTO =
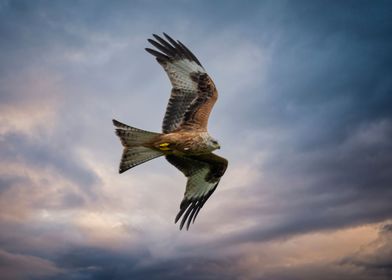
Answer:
(171, 50)
(163, 49)
(192, 90)
(158, 55)
(184, 91)
(194, 166)
(191, 55)
(193, 207)
(166, 44)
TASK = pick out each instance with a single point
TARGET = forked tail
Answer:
(133, 140)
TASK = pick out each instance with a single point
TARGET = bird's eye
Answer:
(214, 142)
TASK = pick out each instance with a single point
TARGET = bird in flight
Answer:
(184, 141)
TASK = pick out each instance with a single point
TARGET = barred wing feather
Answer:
(203, 173)
(193, 93)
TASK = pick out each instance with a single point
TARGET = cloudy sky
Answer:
(304, 118)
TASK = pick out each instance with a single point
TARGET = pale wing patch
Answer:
(203, 173)
(181, 66)
(179, 72)
(197, 186)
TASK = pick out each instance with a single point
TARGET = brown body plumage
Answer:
(184, 140)
(182, 143)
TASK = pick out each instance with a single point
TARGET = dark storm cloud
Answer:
(326, 98)
(334, 187)
(15, 267)
(330, 63)
(95, 263)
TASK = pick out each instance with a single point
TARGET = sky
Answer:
(304, 117)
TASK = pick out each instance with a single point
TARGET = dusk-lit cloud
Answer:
(303, 117)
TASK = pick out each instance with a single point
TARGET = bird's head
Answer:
(213, 144)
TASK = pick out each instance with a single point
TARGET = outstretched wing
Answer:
(203, 173)
(193, 94)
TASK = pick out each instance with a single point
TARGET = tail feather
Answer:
(134, 140)
(135, 156)
(132, 136)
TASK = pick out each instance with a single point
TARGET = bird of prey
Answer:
(184, 141)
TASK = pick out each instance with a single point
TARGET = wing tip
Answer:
(193, 201)
(157, 54)
(188, 212)
(116, 123)
(171, 48)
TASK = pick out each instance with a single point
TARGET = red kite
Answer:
(185, 141)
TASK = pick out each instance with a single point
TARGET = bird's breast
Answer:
(182, 143)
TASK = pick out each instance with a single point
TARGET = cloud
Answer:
(324, 255)
(317, 190)
(374, 258)
(16, 266)
(303, 117)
